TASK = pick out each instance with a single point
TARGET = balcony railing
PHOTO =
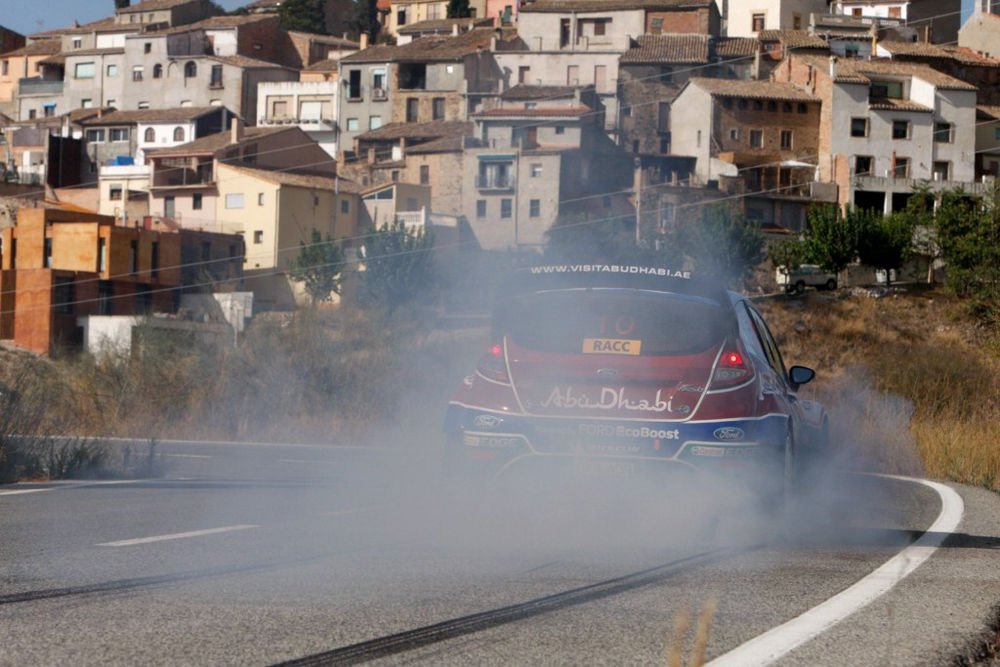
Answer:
(314, 124)
(495, 182)
(894, 184)
(37, 86)
(178, 177)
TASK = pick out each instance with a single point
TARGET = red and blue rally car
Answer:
(631, 367)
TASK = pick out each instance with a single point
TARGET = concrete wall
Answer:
(542, 31)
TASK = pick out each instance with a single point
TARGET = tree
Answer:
(398, 267)
(459, 9)
(885, 242)
(303, 15)
(789, 254)
(832, 238)
(720, 244)
(319, 265)
(364, 19)
(968, 233)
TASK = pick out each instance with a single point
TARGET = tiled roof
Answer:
(94, 52)
(221, 22)
(427, 49)
(76, 28)
(890, 104)
(43, 47)
(242, 61)
(152, 6)
(324, 65)
(545, 112)
(526, 92)
(610, 5)
(985, 111)
(853, 70)
(444, 25)
(300, 180)
(176, 115)
(923, 49)
(755, 90)
(216, 142)
(432, 130)
(668, 49)
(794, 39)
(326, 39)
(452, 144)
(736, 47)
(967, 56)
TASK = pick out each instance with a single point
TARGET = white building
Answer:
(747, 19)
(881, 9)
(312, 105)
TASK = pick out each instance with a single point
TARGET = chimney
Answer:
(833, 68)
(235, 130)
(364, 41)
(454, 29)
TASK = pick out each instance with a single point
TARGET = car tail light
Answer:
(732, 369)
(493, 365)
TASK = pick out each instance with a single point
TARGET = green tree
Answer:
(787, 253)
(398, 267)
(720, 244)
(832, 238)
(303, 15)
(319, 265)
(885, 242)
(364, 19)
(968, 233)
(459, 9)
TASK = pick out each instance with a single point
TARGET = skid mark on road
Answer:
(177, 536)
(778, 642)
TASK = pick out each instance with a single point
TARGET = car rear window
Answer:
(596, 320)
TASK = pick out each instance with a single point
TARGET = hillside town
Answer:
(172, 159)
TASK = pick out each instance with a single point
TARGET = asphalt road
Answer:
(316, 555)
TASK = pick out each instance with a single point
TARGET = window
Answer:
(425, 174)
(727, 103)
(374, 122)
(260, 199)
(137, 73)
(133, 256)
(522, 73)
(354, 84)
(149, 136)
(111, 70)
(772, 107)
(169, 206)
(118, 134)
(345, 206)
(756, 138)
(480, 208)
(758, 105)
(505, 208)
(859, 127)
(941, 171)
(234, 200)
(86, 103)
(111, 102)
(786, 139)
(115, 192)
(742, 105)
(215, 77)
(394, 175)
(901, 168)
(536, 170)
(734, 134)
(900, 129)
(412, 109)
(102, 255)
(600, 27)
(196, 201)
(666, 74)
(258, 237)
(77, 42)
(157, 71)
(796, 22)
(942, 133)
(656, 26)
(864, 165)
(437, 105)
(890, 89)
(786, 107)
(178, 134)
(5, 67)
(95, 136)
(147, 47)
(572, 75)
(190, 69)
(142, 105)
(534, 208)
(560, 129)
(48, 253)
(378, 79)
(84, 71)
(63, 298)
(757, 22)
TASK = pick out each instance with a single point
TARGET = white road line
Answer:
(778, 642)
(188, 456)
(23, 491)
(176, 536)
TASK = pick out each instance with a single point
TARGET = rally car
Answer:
(631, 368)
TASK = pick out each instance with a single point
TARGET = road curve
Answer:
(351, 559)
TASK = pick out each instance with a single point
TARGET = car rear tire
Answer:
(831, 284)
(800, 287)
(779, 495)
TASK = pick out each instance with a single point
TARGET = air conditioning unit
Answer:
(379, 93)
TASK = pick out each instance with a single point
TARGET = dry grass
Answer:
(911, 382)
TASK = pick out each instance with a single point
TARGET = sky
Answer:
(29, 16)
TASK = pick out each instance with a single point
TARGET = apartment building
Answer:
(20, 64)
(887, 126)
(749, 19)
(164, 13)
(310, 105)
(405, 12)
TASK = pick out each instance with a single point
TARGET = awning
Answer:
(796, 163)
(496, 158)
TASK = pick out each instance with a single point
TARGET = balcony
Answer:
(894, 184)
(307, 124)
(180, 177)
(39, 86)
(495, 182)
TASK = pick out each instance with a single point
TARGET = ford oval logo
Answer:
(487, 421)
(729, 433)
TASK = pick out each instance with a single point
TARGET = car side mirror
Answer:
(800, 375)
